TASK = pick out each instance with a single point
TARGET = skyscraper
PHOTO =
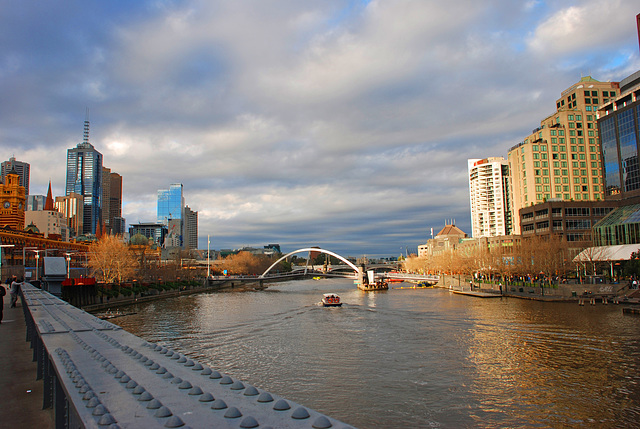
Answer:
(489, 197)
(111, 198)
(170, 208)
(170, 203)
(619, 124)
(84, 177)
(22, 169)
(190, 233)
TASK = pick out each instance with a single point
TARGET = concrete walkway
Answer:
(21, 402)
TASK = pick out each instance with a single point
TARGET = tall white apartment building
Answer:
(489, 197)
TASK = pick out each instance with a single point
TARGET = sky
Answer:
(340, 124)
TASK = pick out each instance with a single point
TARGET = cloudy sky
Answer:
(343, 124)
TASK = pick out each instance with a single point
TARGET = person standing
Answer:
(15, 290)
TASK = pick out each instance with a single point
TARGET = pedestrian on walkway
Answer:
(3, 292)
(15, 290)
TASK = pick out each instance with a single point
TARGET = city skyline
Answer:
(341, 124)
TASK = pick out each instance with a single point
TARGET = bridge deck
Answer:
(96, 375)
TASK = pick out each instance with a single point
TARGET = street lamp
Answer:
(1, 246)
(37, 259)
(68, 258)
(208, 266)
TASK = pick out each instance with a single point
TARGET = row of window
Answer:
(569, 225)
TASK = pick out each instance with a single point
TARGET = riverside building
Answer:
(488, 193)
(561, 159)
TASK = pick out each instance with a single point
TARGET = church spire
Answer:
(48, 204)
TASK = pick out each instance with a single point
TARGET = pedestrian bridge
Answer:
(96, 375)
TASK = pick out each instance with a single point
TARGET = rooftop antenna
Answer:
(86, 128)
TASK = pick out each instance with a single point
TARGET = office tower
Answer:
(619, 124)
(22, 169)
(84, 177)
(111, 198)
(118, 225)
(560, 159)
(170, 203)
(35, 202)
(190, 233)
(489, 197)
(72, 207)
(12, 202)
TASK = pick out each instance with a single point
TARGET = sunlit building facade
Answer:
(489, 197)
(561, 159)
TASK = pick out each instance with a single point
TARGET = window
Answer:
(534, 147)
(536, 163)
(573, 224)
(543, 147)
(556, 172)
(576, 211)
(556, 164)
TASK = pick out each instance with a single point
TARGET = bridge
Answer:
(96, 375)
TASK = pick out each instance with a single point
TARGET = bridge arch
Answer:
(312, 249)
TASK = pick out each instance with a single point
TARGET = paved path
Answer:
(20, 394)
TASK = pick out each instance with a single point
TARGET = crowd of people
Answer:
(13, 284)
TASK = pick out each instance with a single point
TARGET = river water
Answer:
(407, 358)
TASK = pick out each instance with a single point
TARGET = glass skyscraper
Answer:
(170, 203)
(84, 177)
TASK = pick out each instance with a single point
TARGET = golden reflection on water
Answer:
(565, 376)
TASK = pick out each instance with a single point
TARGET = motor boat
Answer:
(331, 300)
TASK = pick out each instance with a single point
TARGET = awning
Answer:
(620, 252)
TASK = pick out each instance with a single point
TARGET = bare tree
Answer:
(110, 260)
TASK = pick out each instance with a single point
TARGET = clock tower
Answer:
(12, 202)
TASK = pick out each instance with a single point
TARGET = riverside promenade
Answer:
(21, 401)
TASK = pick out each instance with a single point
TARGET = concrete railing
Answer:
(97, 375)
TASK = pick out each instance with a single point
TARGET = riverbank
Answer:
(156, 294)
(578, 293)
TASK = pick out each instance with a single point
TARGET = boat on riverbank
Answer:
(331, 300)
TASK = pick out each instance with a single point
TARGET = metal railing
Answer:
(98, 375)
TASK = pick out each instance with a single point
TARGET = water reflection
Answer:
(413, 357)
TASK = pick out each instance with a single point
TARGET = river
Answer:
(407, 358)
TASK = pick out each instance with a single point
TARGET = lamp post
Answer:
(37, 259)
(1, 246)
(208, 266)
(68, 258)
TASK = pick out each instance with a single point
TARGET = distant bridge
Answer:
(312, 249)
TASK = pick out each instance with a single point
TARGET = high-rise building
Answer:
(561, 158)
(35, 202)
(72, 207)
(170, 203)
(84, 177)
(12, 202)
(619, 124)
(111, 198)
(489, 197)
(190, 233)
(22, 169)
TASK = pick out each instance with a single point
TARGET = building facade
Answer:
(571, 220)
(12, 202)
(190, 233)
(170, 203)
(155, 232)
(35, 202)
(489, 197)
(619, 124)
(22, 169)
(449, 238)
(561, 159)
(72, 208)
(111, 199)
(84, 177)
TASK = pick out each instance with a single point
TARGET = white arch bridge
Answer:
(312, 249)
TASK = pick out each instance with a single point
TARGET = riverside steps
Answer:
(96, 375)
